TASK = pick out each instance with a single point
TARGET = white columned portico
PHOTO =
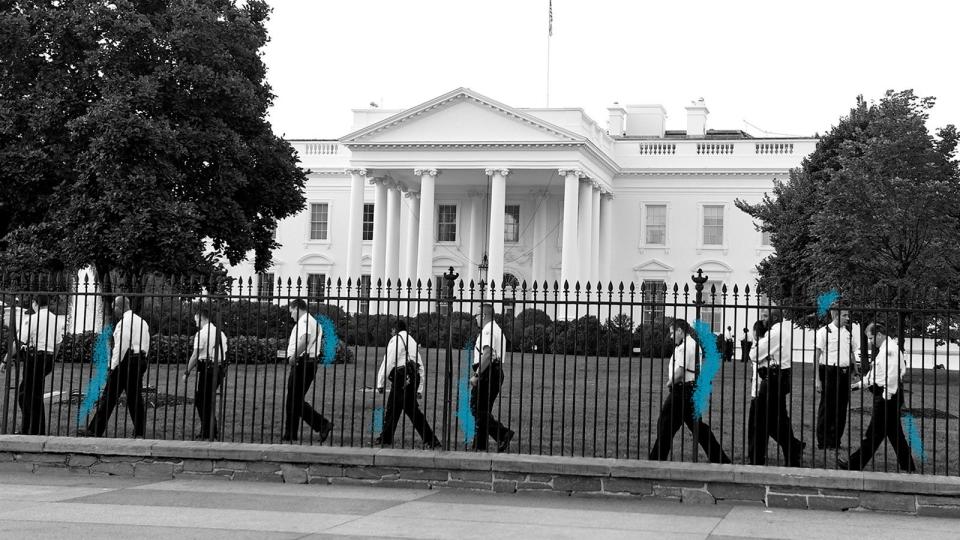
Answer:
(475, 246)
(498, 198)
(428, 187)
(378, 255)
(595, 236)
(585, 230)
(392, 271)
(413, 231)
(571, 205)
(606, 236)
(355, 224)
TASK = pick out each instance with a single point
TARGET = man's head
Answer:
(679, 330)
(397, 327)
(876, 333)
(201, 316)
(485, 314)
(840, 317)
(121, 305)
(297, 308)
(39, 301)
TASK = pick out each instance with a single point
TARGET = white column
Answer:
(541, 200)
(354, 225)
(379, 255)
(393, 233)
(475, 246)
(428, 181)
(584, 230)
(595, 236)
(606, 236)
(571, 205)
(498, 198)
(413, 229)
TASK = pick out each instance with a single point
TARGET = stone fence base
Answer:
(695, 483)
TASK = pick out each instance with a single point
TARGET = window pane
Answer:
(447, 223)
(365, 294)
(511, 223)
(265, 285)
(709, 313)
(654, 296)
(712, 225)
(656, 224)
(315, 286)
(318, 221)
(368, 221)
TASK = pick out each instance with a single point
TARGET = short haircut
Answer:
(682, 325)
(203, 312)
(486, 307)
(399, 326)
(297, 303)
(42, 300)
(875, 328)
(122, 303)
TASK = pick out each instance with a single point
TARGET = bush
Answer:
(536, 338)
(579, 337)
(529, 317)
(368, 330)
(654, 340)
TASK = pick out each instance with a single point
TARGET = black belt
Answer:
(770, 370)
(842, 369)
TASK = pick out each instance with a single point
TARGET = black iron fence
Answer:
(585, 369)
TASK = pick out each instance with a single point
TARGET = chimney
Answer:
(646, 121)
(697, 119)
(616, 123)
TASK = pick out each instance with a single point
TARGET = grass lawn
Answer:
(583, 406)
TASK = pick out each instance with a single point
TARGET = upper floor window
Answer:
(511, 223)
(712, 225)
(368, 221)
(656, 225)
(319, 221)
(447, 223)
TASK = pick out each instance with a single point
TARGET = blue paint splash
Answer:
(464, 414)
(101, 368)
(913, 437)
(825, 301)
(708, 370)
(377, 426)
(330, 339)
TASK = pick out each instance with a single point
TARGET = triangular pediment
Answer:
(653, 265)
(461, 116)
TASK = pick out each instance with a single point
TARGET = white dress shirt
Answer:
(131, 334)
(686, 353)
(887, 369)
(837, 346)
(401, 349)
(774, 349)
(42, 330)
(491, 336)
(306, 326)
(205, 343)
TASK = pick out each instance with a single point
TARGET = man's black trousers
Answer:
(884, 424)
(832, 410)
(36, 366)
(481, 405)
(127, 377)
(296, 408)
(209, 378)
(769, 418)
(402, 398)
(678, 410)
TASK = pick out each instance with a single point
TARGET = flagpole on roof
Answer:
(549, 35)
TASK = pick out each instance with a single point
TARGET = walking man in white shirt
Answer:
(677, 408)
(768, 410)
(884, 381)
(209, 352)
(403, 366)
(303, 354)
(486, 379)
(128, 363)
(833, 360)
(40, 335)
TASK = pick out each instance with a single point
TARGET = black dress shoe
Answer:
(505, 443)
(325, 432)
(435, 445)
(288, 438)
(84, 432)
(843, 464)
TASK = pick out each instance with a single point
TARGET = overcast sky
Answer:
(790, 68)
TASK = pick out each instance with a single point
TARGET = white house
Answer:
(545, 194)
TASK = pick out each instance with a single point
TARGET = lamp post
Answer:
(482, 273)
(448, 279)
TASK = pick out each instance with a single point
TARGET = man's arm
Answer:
(198, 342)
(820, 345)
(119, 345)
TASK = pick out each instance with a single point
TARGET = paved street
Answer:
(45, 506)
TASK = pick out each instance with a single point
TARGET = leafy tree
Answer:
(873, 208)
(133, 136)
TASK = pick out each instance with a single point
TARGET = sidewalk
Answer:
(45, 506)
